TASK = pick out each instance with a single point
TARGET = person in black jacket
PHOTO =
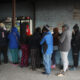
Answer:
(3, 44)
(75, 44)
(35, 49)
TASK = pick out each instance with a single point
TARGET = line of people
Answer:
(41, 47)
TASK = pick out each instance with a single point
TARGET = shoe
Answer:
(73, 69)
(16, 63)
(61, 74)
(5, 62)
(53, 66)
(45, 73)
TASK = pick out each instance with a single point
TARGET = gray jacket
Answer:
(65, 40)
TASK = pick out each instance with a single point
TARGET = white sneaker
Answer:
(61, 74)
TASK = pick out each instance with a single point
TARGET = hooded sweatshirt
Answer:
(13, 38)
(48, 39)
(65, 40)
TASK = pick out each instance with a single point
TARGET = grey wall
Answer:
(55, 13)
(47, 12)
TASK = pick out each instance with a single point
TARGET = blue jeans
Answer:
(47, 62)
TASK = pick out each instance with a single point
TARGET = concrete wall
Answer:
(55, 13)
(47, 12)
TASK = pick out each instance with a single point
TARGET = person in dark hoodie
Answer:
(75, 45)
(14, 44)
(35, 49)
(3, 44)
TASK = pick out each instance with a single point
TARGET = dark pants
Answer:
(4, 50)
(75, 58)
(35, 58)
(53, 58)
(25, 53)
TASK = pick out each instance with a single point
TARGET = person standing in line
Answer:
(3, 43)
(47, 49)
(64, 47)
(35, 49)
(14, 44)
(75, 44)
(25, 50)
(24, 45)
(56, 44)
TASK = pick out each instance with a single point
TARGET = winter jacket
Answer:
(3, 37)
(13, 38)
(65, 40)
(35, 40)
(56, 39)
(75, 42)
(47, 43)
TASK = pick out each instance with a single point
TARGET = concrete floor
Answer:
(13, 72)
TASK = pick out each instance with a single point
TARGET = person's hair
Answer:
(38, 30)
(55, 30)
(65, 26)
(76, 27)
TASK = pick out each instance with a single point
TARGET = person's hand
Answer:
(73, 32)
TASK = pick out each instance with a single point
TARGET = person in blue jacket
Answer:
(47, 49)
(14, 44)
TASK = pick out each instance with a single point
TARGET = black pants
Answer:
(53, 58)
(3, 50)
(75, 58)
(35, 58)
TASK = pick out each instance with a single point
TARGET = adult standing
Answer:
(47, 49)
(64, 47)
(35, 49)
(3, 43)
(75, 44)
(24, 43)
(56, 36)
(14, 44)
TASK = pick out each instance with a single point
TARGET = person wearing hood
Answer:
(75, 45)
(47, 49)
(14, 44)
(64, 47)
(3, 43)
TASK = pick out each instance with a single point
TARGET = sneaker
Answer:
(53, 66)
(61, 74)
(45, 73)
